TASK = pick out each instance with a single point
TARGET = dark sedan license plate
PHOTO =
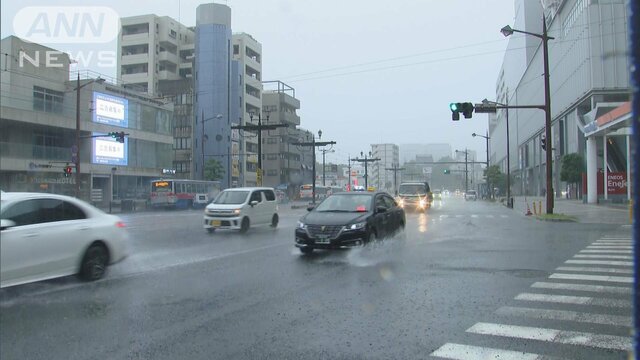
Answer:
(323, 240)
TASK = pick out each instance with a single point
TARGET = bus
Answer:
(306, 192)
(182, 194)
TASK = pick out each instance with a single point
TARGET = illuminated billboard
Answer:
(108, 151)
(110, 110)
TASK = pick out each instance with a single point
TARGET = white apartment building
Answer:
(380, 177)
(153, 48)
(248, 53)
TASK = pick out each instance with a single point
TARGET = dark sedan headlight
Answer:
(357, 226)
(301, 225)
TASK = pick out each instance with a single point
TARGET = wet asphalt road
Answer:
(186, 294)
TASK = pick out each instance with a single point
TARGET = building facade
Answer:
(39, 130)
(389, 155)
(212, 67)
(281, 161)
(247, 52)
(151, 49)
(589, 77)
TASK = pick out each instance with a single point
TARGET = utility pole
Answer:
(395, 170)
(259, 128)
(349, 176)
(366, 171)
(466, 171)
(313, 144)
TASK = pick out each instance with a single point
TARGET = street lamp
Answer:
(324, 151)
(76, 153)
(487, 138)
(507, 31)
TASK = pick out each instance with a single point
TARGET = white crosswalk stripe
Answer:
(618, 279)
(578, 300)
(605, 251)
(594, 269)
(600, 262)
(553, 335)
(467, 352)
(565, 315)
(474, 216)
(583, 287)
(622, 257)
(593, 287)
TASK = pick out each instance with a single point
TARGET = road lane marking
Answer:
(618, 279)
(474, 216)
(578, 300)
(459, 216)
(504, 216)
(553, 335)
(594, 269)
(565, 315)
(612, 242)
(604, 251)
(621, 257)
(444, 216)
(600, 262)
(582, 287)
(612, 247)
(468, 352)
(490, 216)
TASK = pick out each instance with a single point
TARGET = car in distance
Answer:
(471, 195)
(44, 236)
(242, 208)
(349, 219)
(415, 196)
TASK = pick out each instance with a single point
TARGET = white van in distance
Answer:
(242, 208)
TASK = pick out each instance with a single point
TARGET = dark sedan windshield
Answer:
(346, 202)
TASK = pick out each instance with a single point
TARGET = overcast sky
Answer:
(365, 71)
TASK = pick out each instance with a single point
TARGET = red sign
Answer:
(617, 183)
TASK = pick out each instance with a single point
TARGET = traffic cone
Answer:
(528, 210)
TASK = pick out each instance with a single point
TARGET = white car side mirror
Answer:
(6, 223)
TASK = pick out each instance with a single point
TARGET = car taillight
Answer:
(120, 224)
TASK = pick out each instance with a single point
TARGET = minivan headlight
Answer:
(237, 211)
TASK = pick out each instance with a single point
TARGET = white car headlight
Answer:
(357, 226)
(301, 225)
(423, 203)
(237, 211)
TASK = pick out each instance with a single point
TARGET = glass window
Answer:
(23, 213)
(390, 202)
(255, 196)
(269, 195)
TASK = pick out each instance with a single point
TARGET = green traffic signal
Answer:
(454, 107)
(446, 171)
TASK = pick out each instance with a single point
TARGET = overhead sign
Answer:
(107, 150)
(427, 170)
(111, 110)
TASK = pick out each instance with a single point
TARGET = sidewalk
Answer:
(586, 213)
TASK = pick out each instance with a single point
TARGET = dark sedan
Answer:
(349, 219)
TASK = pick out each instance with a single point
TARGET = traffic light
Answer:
(543, 143)
(465, 108)
(447, 171)
(455, 108)
(67, 171)
(119, 136)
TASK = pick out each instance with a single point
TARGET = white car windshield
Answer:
(231, 197)
(412, 189)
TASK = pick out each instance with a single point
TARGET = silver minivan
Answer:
(242, 208)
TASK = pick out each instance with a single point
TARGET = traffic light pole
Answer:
(313, 144)
(259, 129)
(366, 170)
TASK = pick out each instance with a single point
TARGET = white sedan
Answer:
(45, 236)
